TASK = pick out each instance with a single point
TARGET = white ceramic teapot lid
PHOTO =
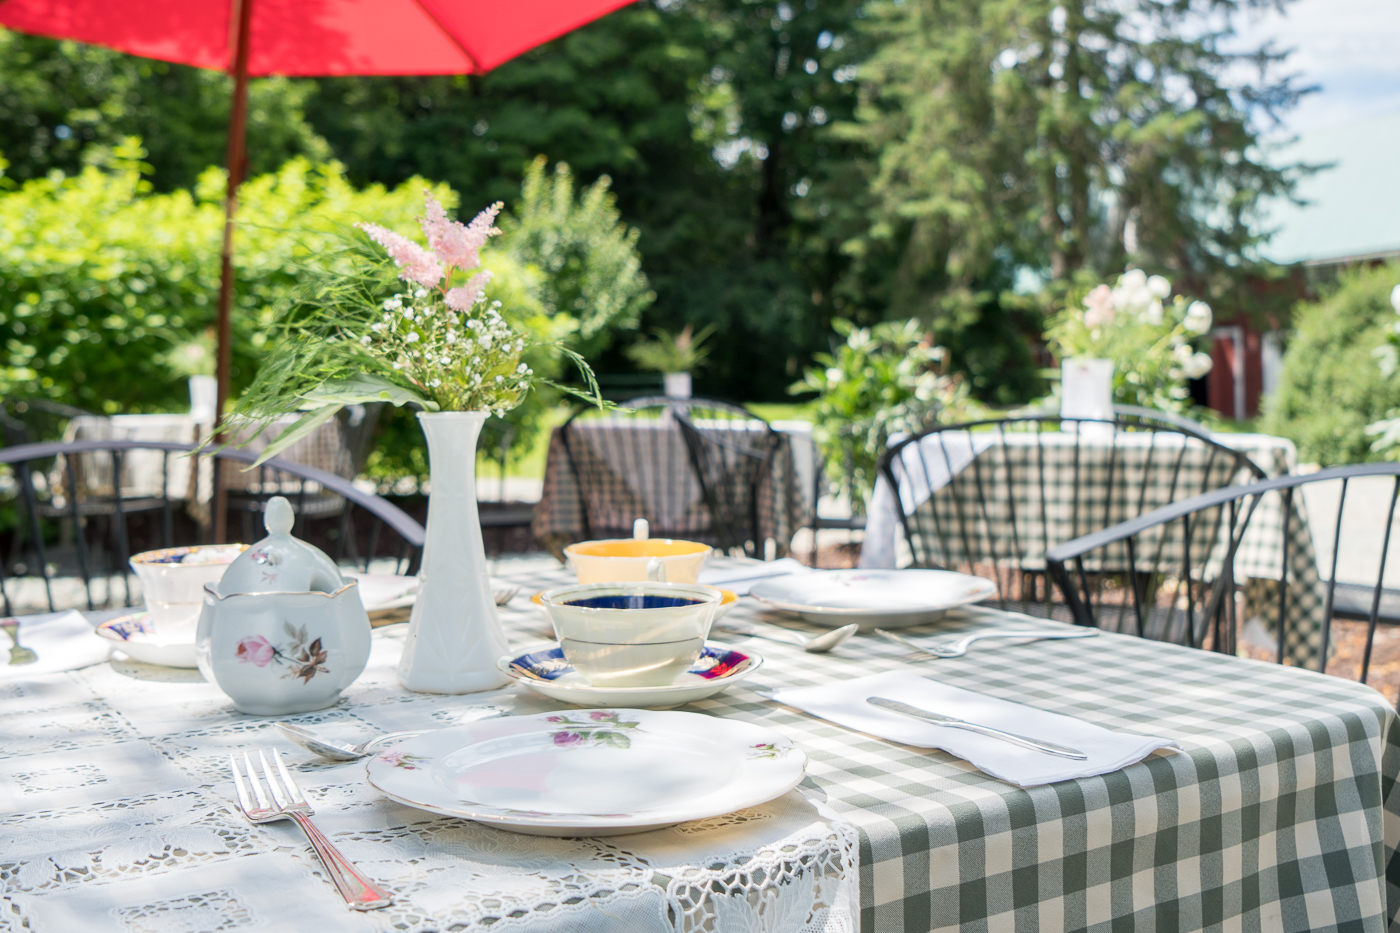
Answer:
(280, 563)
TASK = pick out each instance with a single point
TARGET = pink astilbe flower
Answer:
(462, 298)
(457, 245)
(416, 263)
(1099, 306)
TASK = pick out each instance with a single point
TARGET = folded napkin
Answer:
(64, 641)
(740, 576)
(844, 703)
(385, 590)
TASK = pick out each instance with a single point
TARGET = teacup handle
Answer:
(656, 571)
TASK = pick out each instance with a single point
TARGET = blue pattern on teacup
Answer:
(549, 663)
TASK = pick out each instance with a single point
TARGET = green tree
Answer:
(64, 103)
(1047, 138)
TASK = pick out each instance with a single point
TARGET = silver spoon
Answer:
(339, 751)
(819, 644)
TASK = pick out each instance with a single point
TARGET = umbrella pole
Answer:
(237, 132)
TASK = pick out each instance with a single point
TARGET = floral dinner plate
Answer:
(597, 772)
(872, 598)
(548, 673)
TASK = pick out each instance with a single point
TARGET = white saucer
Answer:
(136, 637)
(599, 772)
(872, 598)
(547, 673)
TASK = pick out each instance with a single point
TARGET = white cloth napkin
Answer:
(385, 590)
(739, 577)
(64, 641)
(844, 703)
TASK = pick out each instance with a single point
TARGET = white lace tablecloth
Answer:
(116, 813)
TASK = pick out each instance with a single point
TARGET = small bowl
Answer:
(727, 600)
(631, 634)
(173, 583)
(625, 559)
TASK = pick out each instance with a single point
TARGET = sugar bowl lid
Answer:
(280, 563)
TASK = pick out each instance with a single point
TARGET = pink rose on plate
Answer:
(600, 716)
(565, 739)
(255, 650)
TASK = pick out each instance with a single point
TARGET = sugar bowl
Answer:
(282, 632)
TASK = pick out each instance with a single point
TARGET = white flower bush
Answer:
(1145, 331)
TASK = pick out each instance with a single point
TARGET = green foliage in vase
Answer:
(684, 352)
(442, 343)
(883, 380)
(1338, 372)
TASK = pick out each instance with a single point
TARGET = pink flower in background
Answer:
(255, 650)
(600, 716)
(1099, 306)
(461, 299)
(417, 264)
(457, 245)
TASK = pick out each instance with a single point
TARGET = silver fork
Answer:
(958, 647)
(287, 803)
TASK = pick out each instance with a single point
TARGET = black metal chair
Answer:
(31, 420)
(1188, 572)
(992, 497)
(79, 510)
(693, 468)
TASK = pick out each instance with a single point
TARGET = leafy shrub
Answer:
(884, 380)
(100, 280)
(1332, 385)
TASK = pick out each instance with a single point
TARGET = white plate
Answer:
(547, 673)
(136, 637)
(600, 772)
(872, 598)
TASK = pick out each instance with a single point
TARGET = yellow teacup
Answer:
(625, 560)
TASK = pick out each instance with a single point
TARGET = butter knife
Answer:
(1049, 748)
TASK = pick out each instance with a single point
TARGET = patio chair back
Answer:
(74, 520)
(1296, 569)
(693, 468)
(992, 497)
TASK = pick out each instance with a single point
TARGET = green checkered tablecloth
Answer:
(973, 497)
(1281, 814)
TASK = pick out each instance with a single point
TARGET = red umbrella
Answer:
(250, 38)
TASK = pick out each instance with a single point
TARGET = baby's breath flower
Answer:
(365, 341)
(420, 293)
(413, 337)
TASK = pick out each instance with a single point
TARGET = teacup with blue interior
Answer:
(631, 634)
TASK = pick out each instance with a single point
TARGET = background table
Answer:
(649, 485)
(1134, 472)
(1281, 813)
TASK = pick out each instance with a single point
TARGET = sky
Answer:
(1351, 48)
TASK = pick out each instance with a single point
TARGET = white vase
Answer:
(677, 385)
(1086, 388)
(454, 635)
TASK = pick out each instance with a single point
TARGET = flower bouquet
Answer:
(355, 335)
(1144, 331)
